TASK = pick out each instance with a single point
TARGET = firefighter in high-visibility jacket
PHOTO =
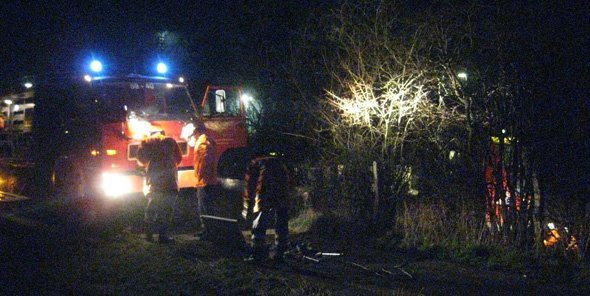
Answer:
(266, 194)
(206, 177)
(161, 155)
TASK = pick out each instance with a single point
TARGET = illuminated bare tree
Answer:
(387, 105)
(398, 99)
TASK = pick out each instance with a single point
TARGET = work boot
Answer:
(277, 256)
(163, 234)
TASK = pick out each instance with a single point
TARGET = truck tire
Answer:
(232, 163)
(67, 179)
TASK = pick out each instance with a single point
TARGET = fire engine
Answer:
(79, 134)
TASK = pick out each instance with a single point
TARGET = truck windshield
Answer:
(146, 99)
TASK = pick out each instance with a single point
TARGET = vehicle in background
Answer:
(79, 134)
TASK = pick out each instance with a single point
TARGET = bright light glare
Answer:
(162, 68)
(452, 154)
(96, 66)
(187, 134)
(231, 183)
(169, 85)
(462, 75)
(115, 185)
(87, 78)
(181, 79)
(247, 98)
(8, 102)
(28, 85)
(140, 129)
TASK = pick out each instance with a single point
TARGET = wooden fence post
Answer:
(376, 192)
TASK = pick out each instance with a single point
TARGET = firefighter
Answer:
(266, 192)
(161, 155)
(205, 174)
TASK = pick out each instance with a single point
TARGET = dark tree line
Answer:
(525, 87)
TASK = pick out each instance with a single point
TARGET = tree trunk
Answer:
(537, 212)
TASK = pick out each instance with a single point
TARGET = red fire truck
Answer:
(79, 134)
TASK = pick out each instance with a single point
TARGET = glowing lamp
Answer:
(162, 68)
(96, 66)
(246, 98)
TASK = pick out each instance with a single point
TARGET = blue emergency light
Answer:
(96, 66)
(162, 68)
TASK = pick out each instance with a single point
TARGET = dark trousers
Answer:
(207, 197)
(159, 211)
(262, 221)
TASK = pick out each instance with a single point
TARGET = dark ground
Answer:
(51, 256)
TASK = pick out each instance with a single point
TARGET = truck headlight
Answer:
(115, 185)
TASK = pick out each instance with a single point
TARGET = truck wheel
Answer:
(67, 179)
(232, 163)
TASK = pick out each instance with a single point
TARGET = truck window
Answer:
(144, 99)
(222, 103)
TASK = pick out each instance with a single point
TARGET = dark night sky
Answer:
(63, 36)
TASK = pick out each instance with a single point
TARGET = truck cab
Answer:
(79, 134)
